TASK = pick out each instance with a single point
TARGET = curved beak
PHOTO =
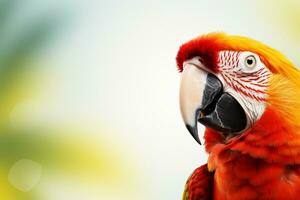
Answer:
(202, 99)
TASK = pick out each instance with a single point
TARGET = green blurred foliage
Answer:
(15, 54)
(58, 151)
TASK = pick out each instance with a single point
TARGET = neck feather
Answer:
(272, 139)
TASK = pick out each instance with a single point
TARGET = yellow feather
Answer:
(284, 95)
(284, 86)
(273, 59)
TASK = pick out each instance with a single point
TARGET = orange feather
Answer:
(263, 162)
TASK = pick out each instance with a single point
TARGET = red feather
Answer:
(199, 185)
(263, 163)
(206, 47)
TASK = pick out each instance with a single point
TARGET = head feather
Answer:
(284, 86)
(210, 44)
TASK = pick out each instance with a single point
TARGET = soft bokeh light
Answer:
(89, 92)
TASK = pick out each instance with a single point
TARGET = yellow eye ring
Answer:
(250, 61)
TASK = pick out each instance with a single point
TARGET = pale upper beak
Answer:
(202, 99)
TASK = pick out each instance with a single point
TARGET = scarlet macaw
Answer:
(247, 95)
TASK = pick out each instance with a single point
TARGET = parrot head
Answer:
(228, 82)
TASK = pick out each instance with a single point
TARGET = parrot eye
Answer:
(250, 61)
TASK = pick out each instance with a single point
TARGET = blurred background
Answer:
(89, 92)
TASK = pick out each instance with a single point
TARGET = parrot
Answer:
(246, 94)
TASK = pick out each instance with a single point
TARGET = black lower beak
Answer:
(228, 116)
(217, 110)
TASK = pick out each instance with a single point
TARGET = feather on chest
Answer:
(243, 177)
(262, 164)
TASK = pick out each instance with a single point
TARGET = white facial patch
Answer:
(246, 78)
